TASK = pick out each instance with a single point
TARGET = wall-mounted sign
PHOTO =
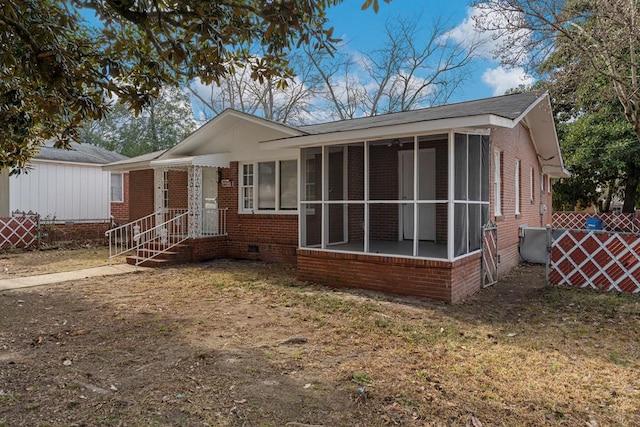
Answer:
(226, 183)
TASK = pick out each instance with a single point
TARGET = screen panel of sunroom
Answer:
(471, 191)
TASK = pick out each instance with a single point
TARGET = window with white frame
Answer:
(548, 184)
(165, 189)
(117, 187)
(516, 186)
(269, 186)
(246, 187)
(497, 183)
(532, 194)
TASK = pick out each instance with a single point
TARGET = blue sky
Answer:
(361, 30)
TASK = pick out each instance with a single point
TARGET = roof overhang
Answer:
(390, 131)
(220, 160)
(134, 163)
(542, 128)
(538, 117)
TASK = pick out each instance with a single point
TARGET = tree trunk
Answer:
(606, 203)
(631, 188)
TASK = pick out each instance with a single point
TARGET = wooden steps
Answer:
(179, 254)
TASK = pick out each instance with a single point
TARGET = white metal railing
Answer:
(214, 222)
(122, 238)
(161, 238)
(143, 232)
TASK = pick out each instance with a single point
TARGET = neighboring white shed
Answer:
(65, 185)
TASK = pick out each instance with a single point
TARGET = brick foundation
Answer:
(74, 232)
(445, 281)
(207, 248)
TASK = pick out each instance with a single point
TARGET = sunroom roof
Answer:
(508, 106)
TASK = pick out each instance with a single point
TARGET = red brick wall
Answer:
(120, 210)
(206, 248)
(141, 200)
(178, 189)
(516, 144)
(355, 189)
(383, 185)
(74, 232)
(437, 280)
(275, 236)
(442, 187)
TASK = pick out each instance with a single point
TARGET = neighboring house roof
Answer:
(138, 162)
(79, 153)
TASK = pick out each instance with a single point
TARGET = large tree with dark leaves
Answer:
(58, 69)
(590, 41)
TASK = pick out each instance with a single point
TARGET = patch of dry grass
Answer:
(20, 264)
(514, 355)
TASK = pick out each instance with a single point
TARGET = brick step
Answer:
(153, 263)
(160, 246)
(179, 254)
(144, 252)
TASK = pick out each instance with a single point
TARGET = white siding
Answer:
(63, 191)
(4, 192)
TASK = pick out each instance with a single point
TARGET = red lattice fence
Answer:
(595, 259)
(611, 221)
(19, 231)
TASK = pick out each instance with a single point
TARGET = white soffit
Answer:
(219, 160)
(543, 132)
(389, 131)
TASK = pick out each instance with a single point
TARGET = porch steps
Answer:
(179, 254)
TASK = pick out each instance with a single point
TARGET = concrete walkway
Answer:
(47, 279)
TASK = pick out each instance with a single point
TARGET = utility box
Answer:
(594, 224)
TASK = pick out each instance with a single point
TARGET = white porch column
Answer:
(159, 193)
(450, 196)
(195, 200)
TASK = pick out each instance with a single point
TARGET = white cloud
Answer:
(487, 42)
(502, 79)
(469, 36)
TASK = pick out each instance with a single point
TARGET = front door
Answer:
(209, 201)
(426, 191)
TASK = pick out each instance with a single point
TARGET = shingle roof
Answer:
(79, 153)
(507, 106)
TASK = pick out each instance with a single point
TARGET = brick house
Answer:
(394, 203)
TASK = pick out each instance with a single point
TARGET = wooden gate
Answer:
(489, 254)
(595, 259)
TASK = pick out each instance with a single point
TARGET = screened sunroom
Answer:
(423, 196)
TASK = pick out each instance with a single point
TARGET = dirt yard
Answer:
(234, 343)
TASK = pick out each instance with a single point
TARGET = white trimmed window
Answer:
(497, 183)
(165, 189)
(269, 186)
(117, 187)
(516, 186)
(548, 184)
(246, 187)
(532, 193)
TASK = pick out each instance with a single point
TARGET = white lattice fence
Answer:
(596, 259)
(19, 231)
(611, 221)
